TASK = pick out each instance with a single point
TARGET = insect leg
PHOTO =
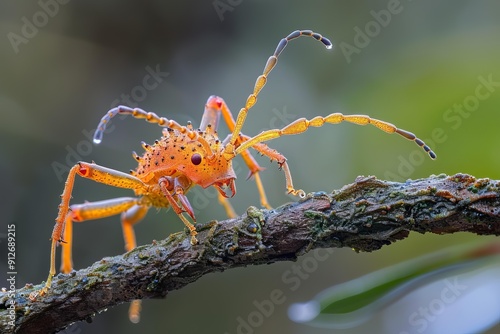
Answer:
(165, 183)
(226, 205)
(214, 107)
(129, 218)
(90, 211)
(94, 172)
(281, 160)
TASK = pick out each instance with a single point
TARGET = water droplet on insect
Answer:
(97, 136)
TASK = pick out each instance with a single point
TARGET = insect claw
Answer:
(226, 188)
(251, 173)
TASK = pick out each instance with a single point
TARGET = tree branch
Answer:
(364, 215)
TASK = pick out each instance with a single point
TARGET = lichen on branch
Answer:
(364, 215)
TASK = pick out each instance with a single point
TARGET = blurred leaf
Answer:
(352, 303)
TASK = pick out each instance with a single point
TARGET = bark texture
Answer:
(364, 215)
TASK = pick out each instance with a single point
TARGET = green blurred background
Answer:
(413, 69)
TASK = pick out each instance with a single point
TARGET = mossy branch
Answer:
(364, 215)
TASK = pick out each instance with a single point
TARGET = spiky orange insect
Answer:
(184, 157)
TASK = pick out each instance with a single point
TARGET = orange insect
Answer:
(184, 157)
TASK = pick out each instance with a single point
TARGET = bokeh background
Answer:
(58, 81)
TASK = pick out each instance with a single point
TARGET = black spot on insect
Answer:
(172, 157)
(196, 159)
(183, 147)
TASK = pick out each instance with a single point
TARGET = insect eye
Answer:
(196, 159)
